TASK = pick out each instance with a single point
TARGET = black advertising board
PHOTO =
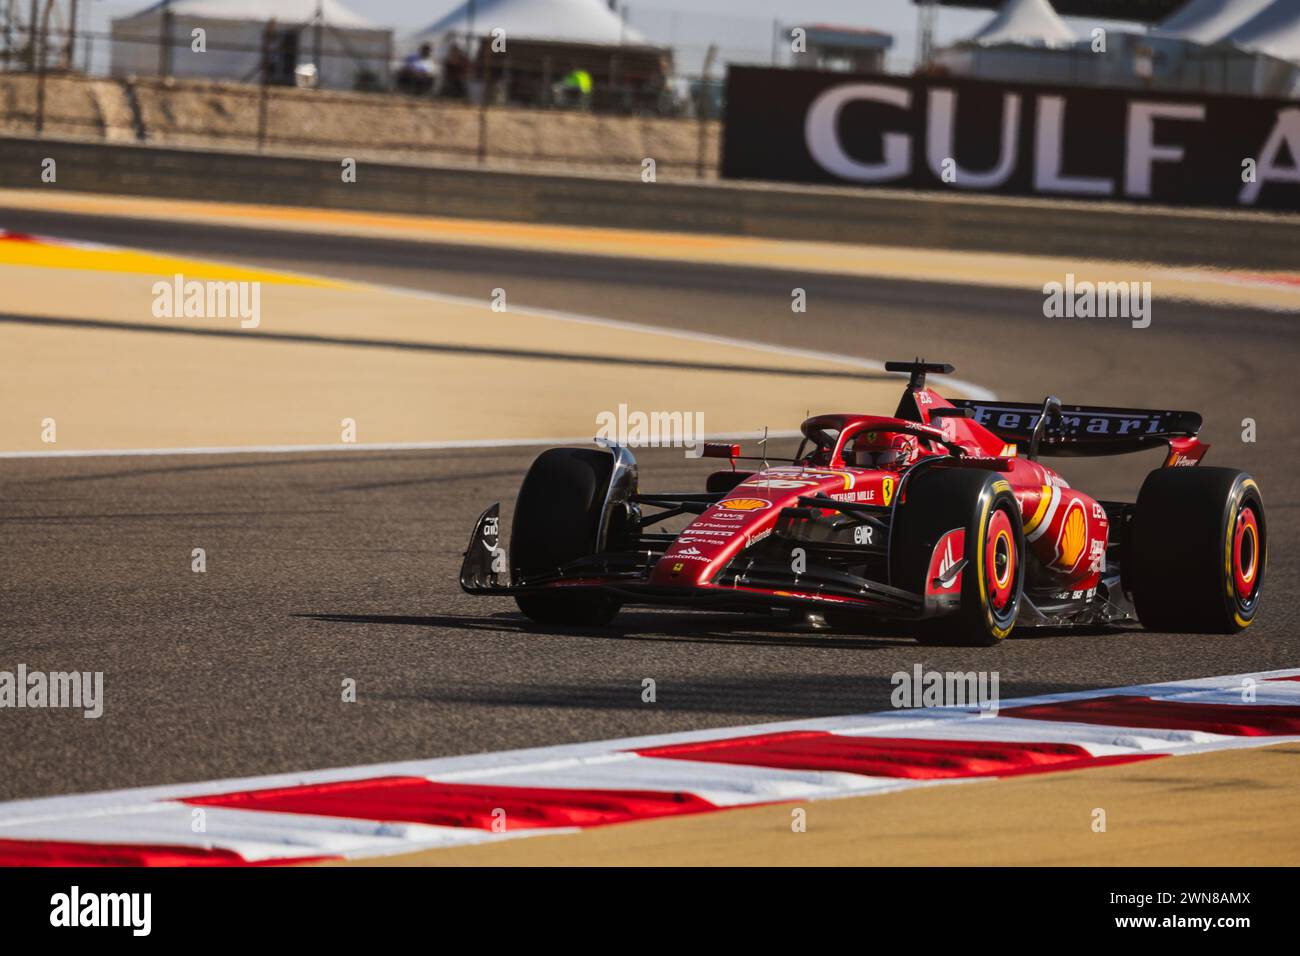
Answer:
(1012, 139)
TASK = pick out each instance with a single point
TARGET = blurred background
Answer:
(255, 73)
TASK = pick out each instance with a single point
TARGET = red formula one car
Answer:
(942, 516)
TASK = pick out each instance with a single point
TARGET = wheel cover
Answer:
(1246, 555)
(1000, 560)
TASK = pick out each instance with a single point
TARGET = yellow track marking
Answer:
(94, 259)
(1258, 289)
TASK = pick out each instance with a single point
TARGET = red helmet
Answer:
(884, 450)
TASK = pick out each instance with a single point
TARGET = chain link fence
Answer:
(312, 88)
(508, 107)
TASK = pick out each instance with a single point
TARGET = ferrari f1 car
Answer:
(942, 516)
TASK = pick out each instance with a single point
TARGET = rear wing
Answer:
(1089, 430)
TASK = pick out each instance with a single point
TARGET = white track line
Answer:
(255, 835)
(341, 447)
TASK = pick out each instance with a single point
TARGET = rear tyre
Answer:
(557, 520)
(937, 501)
(1199, 550)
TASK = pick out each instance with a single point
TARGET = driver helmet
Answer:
(885, 450)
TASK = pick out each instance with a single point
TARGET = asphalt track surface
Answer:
(328, 566)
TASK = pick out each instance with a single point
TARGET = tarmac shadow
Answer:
(653, 627)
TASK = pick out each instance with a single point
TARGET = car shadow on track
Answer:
(654, 628)
(793, 694)
(692, 629)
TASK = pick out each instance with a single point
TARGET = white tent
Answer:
(1205, 21)
(575, 21)
(1274, 31)
(1025, 23)
(1239, 47)
(162, 39)
(1230, 46)
(260, 11)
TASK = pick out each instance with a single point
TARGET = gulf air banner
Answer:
(1016, 139)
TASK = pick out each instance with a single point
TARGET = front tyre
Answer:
(557, 520)
(939, 500)
(1200, 546)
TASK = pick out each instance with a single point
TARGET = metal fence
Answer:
(270, 82)
(310, 55)
(275, 105)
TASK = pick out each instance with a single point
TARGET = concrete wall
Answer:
(74, 107)
(929, 220)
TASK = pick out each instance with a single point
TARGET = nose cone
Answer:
(715, 537)
(750, 514)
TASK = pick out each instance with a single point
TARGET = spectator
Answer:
(575, 88)
(455, 72)
(417, 72)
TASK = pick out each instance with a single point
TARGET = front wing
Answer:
(745, 584)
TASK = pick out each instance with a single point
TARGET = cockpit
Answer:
(862, 441)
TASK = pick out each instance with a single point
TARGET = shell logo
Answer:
(745, 504)
(1074, 536)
